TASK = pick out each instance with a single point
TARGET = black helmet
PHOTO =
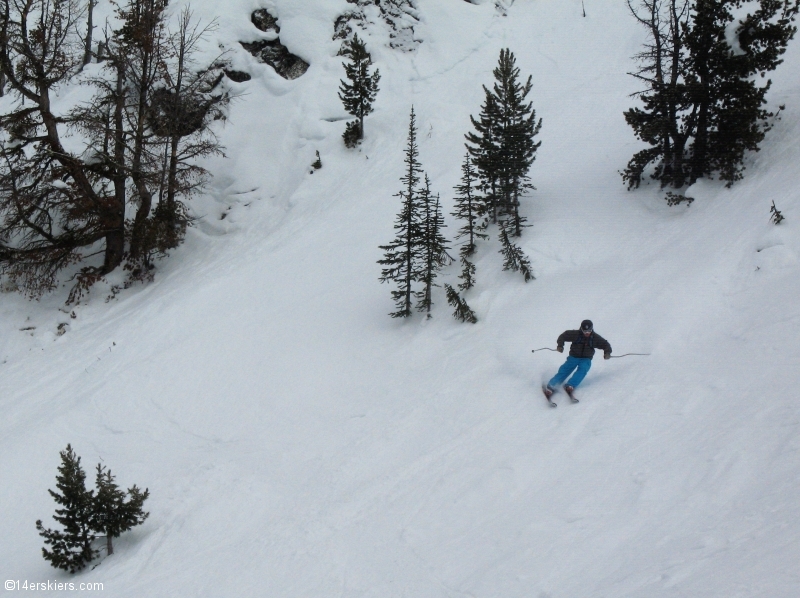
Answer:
(586, 326)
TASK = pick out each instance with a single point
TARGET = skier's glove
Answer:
(560, 349)
(606, 355)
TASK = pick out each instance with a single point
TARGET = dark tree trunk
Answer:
(115, 231)
(172, 185)
(87, 44)
(137, 174)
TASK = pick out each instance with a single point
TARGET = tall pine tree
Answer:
(723, 85)
(703, 105)
(401, 259)
(664, 123)
(485, 149)
(433, 246)
(470, 208)
(359, 93)
(503, 145)
(518, 129)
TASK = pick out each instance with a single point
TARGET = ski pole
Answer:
(542, 349)
(627, 354)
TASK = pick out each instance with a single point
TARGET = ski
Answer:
(547, 394)
(572, 396)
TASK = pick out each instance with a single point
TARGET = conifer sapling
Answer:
(776, 216)
(359, 93)
(514, 258)
(113, 514)
(87, 513)
(469, 208)
(467, 274)
(71, 549)
(462, 311)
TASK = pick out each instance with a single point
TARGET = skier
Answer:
(581, 352)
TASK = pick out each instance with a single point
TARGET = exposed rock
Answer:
(275, 54)
(342, 28)
(400, 16)
(170, 114)
(237, 76)
(264, 21)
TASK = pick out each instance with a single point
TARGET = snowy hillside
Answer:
(299, 442)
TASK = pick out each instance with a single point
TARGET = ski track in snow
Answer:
(299, 442)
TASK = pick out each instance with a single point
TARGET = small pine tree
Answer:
(359, 94)
(775, 215)
(467, 274)
(462, 311)
(113, 514)
(433, 246)
(317, 164)
(352, 134)
(71, 548)
(515, 259)
(402, 256)
(468, 208)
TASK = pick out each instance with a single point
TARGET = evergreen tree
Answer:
(502, 149)
(519, 127)
(402, 256)
(112, 513)
(145, 128)
(663, 123)
(71, 549)
(730, 103)
(467, 274)
(433, 246)
(514, 258)
(484, 147)
(468, 208)
(703, 107)
(462, 311)
(359, 94)
(503, 146)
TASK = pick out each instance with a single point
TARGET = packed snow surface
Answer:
(299, 442)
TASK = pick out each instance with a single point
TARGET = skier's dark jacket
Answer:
(583, 346)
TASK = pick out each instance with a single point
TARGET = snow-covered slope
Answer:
(299, 442)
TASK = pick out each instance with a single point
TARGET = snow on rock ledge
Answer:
(273, 52)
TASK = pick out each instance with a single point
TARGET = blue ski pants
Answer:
(580, 365)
